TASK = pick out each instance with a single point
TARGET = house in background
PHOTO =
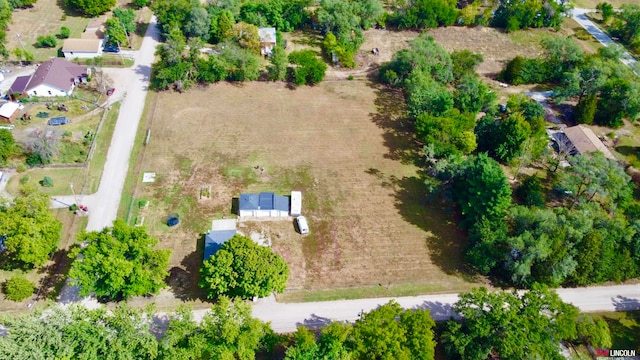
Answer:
(265, 204)
(267, 40)
(579, 140)
(9, 112)
(56, 77)
(221, 232)
(82, 48)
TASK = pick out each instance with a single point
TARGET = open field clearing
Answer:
(591, 4)
(338, 143)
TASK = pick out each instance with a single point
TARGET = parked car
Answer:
(111, 49)
(303, 226)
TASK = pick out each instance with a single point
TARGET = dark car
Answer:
(110, 91)
(111, 48)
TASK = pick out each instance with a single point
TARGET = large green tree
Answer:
(482, 190)
(119, 262)
(243, 269)
(32, 232)
(91, 7)
(510, 325)
(226, 332)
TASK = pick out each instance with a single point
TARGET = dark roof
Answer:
(60, 120)
(263, 201)
(214, 240)
(58, 73)
(19, 85)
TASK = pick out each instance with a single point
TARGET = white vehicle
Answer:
(303, 226)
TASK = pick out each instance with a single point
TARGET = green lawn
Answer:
(103, 141)
(624, 327)
(61, 177)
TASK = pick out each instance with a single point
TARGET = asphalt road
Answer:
(579, 15)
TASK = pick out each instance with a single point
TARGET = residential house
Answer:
(580, 140)
(82, 48)
(56, 77)
(265, 204)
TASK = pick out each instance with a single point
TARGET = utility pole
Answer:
(24, 51)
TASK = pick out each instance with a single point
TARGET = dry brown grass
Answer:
(344, 143)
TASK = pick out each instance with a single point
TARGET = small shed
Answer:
(221, 232)
(59, 120)
(267, 40)
(296, 203)
(82, 48)
(9, 112)
(265, 204)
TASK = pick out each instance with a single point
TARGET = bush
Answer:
(583, 34)
(18, 288)
(64, 33)
(530, 192)
(25, 179)
(524, 71)
(310, 69)
(141, 3)
(21, 168)
(585, 111)
(46, 182)
(47, 41)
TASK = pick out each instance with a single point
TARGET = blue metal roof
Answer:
(214, 240)
(263, 201)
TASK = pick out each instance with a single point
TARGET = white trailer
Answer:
(296, 203)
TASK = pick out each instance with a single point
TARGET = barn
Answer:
(265, 204)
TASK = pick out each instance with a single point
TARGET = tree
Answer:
(593, 177)
(482, 189)
(119, 262)
(91, 7)
(246, 35)
(472, 95)
(41, 148)
(226, 332)
(308, 69)
(241, 268)
(628, 28)
(465, 63)
(606, 10)
(46, 41)
(75, 332)
(141, 3)
(510, 325)
(562, 54)
(46, 181)
(390, 332)
(32, 232)
(115, 33)
(241, 64)
(198, 23)
(450, 134)
(18, 288)
(305, 347)
(18, 4)
(426, 96)
(585, 111)
(425, 14)
(64, 33)
(279, 62)
(7, 145)
(513, 131)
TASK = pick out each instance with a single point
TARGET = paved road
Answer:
(103, 205)
(286, 317)
(579, 15)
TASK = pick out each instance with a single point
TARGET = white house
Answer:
(82, 48)
(267, 40)
(265, 204)
(56, 77)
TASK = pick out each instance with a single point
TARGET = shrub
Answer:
(64, 33)
(310, 69)
(73, 207)
(18, 288)
(21, 168)
(530, 192)
(46, 41)
(585, 111)
(25, 179)
(141, 3)
(583, 34)
(46, 182)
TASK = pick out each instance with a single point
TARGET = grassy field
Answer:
(624, 327)
(61, 177)
(51, 276)
(591, 4)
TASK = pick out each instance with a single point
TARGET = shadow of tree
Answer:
(622, 303)
(437, 217)
(315, 322)
(438, 311)
(628, 150)
(183, 280)
(57, 272)
(398, 129)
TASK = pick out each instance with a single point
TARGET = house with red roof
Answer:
(56, 77)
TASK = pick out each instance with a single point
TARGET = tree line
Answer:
(574, 225)
(501, 324)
